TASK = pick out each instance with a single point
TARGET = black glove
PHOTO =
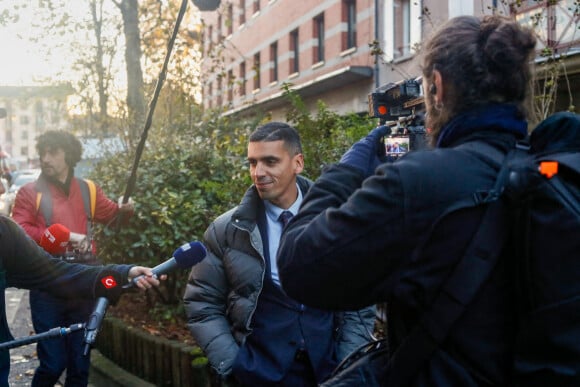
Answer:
(368, 153)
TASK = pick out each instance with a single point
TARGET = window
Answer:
(243, 78)
(24, 151)
(402, 28)
(274, 62)
(219, 28)
(210, 38)
(219, 91)
(256, 6)
(295, 52)
(556, 23)
(256, 71)
(242, 12)
(319, 36)
(349, 18)
(230, 85)
(24, 135)
(24, 120)
(210, 95)
(230, 21)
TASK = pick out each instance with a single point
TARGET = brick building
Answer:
(31, 110)
(324, 49)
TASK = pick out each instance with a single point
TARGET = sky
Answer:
(20, 62)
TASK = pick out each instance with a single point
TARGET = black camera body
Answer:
(401, 106)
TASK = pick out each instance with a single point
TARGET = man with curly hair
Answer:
(62, 193)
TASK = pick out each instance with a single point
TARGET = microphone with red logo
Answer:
(55, 239)
(107, 287)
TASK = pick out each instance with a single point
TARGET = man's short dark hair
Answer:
(55, 139)
(278, 131)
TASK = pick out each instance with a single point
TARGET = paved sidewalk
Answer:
(23, 360)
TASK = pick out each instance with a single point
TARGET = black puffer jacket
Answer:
(222, 291)
(362, 235)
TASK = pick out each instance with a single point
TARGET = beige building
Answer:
(30, 111)
(339, 51)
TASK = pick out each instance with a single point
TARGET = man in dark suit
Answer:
(250, 330)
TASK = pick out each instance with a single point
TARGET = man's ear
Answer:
(298, 163)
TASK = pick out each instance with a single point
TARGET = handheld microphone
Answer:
(106, 288)
(55, 239)
(184, 257)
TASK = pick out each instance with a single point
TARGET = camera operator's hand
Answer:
(368, 153)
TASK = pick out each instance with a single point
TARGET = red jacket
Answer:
(67, 210)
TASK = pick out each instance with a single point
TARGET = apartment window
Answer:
(230, 21)
(24, 120)
(295, 49)
(24, 135)
(256, 6)
(274, 62)
(319, 36)
(219, 91)
(209, 97)
(243, 78)
(242, 12)
(402, 29)
(230, 85)
(219, 28)
(24, 151)
(256, 71)
(349, 17)
(556, 23)
(210, 39)
(402, 24)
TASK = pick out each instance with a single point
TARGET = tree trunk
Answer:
(135, 89)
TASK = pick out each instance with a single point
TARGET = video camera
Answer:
(401, 106)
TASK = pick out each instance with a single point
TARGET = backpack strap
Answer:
(88, 193)
(44, 201)
(461, 287)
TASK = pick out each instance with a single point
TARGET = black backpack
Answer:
(544, 191)
(536, 202)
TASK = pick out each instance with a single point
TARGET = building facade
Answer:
(30, 111)
(339, 51)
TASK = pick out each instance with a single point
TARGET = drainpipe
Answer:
(377, 83)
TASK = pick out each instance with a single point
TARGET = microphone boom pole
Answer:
(139, 151)
(54, 332)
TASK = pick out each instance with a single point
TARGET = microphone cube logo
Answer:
(51, 238)
(109, 282)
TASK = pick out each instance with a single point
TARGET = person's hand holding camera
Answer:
(367, 154)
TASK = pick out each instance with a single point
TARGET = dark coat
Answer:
(223, 289)
(24, 264)
(351, 245)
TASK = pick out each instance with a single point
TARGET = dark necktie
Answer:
(285, 217)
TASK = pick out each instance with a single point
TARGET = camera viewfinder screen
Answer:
(396, 146)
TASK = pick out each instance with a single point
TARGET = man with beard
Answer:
(355, 240)
(59, 198)
(253, 333)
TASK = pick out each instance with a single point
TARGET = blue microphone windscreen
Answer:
(189, 254)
